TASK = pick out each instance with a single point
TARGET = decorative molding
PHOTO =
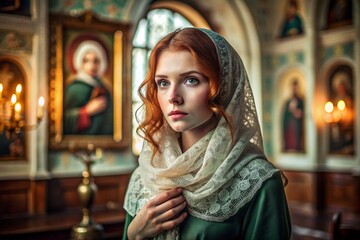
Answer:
(336, 36)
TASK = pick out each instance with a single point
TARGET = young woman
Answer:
(202, 172)
(87, 101)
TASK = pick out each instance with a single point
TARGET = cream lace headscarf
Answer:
(218, 175)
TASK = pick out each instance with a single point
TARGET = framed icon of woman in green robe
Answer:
(87, 99)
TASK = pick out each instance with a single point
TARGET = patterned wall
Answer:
(339, 50)
(112, 9)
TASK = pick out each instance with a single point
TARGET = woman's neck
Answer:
(189, 138)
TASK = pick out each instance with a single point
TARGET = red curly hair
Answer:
(205, 56)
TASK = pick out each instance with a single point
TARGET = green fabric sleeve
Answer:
(128, 220)
(76, 95)
(268, 216)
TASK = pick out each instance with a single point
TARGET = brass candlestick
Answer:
(87, 229)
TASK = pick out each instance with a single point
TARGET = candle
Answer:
(13, 99)
(341, 105)
(41, 104)
(329, 108)
(1, 90)
(11, 107)
(18, 90)
(17, 111)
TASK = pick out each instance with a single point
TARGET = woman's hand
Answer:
(160, 214)
(96, 105)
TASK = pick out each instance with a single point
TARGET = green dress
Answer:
(266, 216)
(77, 95)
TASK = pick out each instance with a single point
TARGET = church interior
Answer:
(300, 56)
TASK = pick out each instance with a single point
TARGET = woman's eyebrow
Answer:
(190, 72)
(160, 76)
(181, 74)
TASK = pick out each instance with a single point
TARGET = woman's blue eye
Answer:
(162, 83)
(191, 81)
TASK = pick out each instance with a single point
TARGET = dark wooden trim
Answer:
(315, 192)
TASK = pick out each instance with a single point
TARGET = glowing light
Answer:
(17, 107)
(18, 89)
(341, 105)
(17, 111)
(329, 107)
(13, 99)
(41, 101)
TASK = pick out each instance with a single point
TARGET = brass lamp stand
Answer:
(87, 229)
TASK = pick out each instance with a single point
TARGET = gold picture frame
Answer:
(70, 84)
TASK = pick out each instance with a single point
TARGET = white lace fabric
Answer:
(218, 175)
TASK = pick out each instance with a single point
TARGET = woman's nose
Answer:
(175, 97)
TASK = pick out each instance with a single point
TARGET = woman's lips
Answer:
(176, 115)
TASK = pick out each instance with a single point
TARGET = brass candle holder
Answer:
(87, 229)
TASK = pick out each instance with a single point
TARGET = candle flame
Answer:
(341, 105)
(18, 88)
(17, 107)
(41, 101)
(13, 99)
(329, 107)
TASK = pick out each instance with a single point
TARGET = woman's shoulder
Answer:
(273, 182)
(272, 189)
(261, 165)
(270, 179)
(78, 86)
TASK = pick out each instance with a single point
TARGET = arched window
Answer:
(157, 23)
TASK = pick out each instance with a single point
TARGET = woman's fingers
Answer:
(170, 213)
(176, 221)
(165, 197)
(169, 204)
(167, 225)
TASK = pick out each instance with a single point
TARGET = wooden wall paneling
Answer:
(62, 192)
(108, 193)
(125, 178)
(37, 198)
(320, 191)
(111, 191)
(340, 191)
(357, 194)
(301, 190)
(14, 197)
(69, 188)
